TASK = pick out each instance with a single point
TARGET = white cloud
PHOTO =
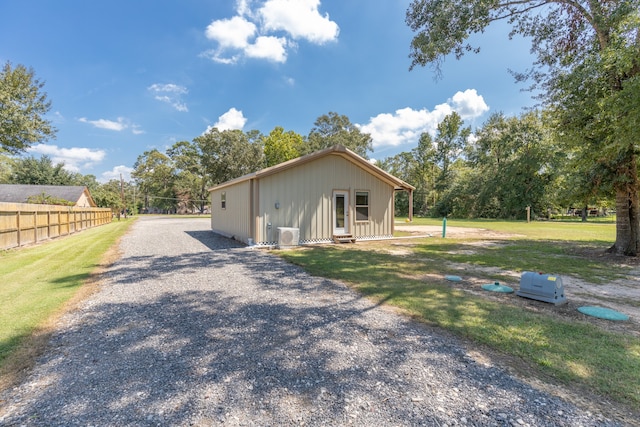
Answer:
(75, 159)
(231, 120)
(406, 125)
(217, 56)
(271, 48)
(119, 125)
(171, 94)
(115, 173)
(259, 33)
(231, 33)
(242, 6)
(300, 18)
(469, 104)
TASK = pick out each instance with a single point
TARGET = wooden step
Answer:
(344, 238)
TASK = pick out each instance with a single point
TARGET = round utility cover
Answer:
(496, 287)
(603, 313)
(453, 278)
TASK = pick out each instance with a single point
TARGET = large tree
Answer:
(155, 175)
(514, 161)
(6, 168)
(230, 154)
(451, 139)
(588, 68)
(192, 181)
(42, 171)
(333, 129)
(23, 106)
(280, 146)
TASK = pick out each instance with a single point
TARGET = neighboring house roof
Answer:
(397, 183)
(19, 193)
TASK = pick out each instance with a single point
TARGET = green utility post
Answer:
(444, 227)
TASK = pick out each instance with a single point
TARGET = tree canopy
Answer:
(42, 171)
(333, 129)
(587, 67)
(280, 146)
(23, 105)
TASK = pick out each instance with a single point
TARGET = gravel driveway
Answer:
(189, 328)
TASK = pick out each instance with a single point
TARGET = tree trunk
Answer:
(585, 212)
(627, 215)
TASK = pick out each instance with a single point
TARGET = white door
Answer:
(340, 212)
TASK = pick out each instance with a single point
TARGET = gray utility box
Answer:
(542, 287)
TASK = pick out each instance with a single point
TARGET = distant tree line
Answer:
(179, 178)
(508, 165)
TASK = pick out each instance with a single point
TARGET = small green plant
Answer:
(46, 199)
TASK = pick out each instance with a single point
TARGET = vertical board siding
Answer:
(301, 196)
(234, 221)
(23, 223)
(305, 194)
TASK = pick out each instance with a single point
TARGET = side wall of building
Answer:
(302, 197)
(232, 219)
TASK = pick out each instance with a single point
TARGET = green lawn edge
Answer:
(39, 280)
(570, 352)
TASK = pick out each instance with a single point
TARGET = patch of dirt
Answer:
(460, 232)
(622, 295)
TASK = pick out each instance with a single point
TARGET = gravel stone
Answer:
(192, 329)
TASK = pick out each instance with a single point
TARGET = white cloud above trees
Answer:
(300, 19)
(268, 30)
(116, 173)
(405, 125)
(118, 125)
(468, 104)
(231, 120)
(75, 159)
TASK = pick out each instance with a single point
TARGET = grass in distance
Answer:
(572, 352)
(591, 231)
(552, 247)
(38, 281)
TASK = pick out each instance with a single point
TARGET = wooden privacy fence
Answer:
(22, 223)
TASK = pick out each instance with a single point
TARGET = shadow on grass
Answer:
(72, 280)
(568, 351)
(529, 255)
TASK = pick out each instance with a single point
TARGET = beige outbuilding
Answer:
(330, 195)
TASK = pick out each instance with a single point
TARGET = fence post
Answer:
(18, 225)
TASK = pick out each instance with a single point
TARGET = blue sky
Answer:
(129, 76)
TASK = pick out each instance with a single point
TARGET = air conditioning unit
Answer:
(288, 237)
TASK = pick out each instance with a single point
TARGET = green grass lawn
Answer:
(37, 281)
(570, 351)
(593, 231)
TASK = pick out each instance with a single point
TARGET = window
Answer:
(223, 200)
(362, 205)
